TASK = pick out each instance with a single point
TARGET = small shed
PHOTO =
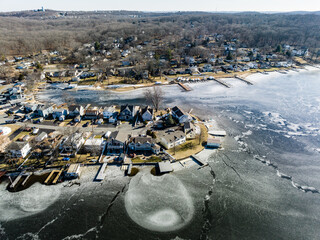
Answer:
(213, 142)
(41, 136)
(74, 171)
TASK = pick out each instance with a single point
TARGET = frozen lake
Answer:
(263, 185)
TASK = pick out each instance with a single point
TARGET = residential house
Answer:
(19, 149)
(44, 110)
(92, 113)
(71, 144)
(143, 144)
(60, 114)
(172, 139)
(191, 130)
(75, 110)
(94, 145)
(147, 114)
(41, 136)
(116, 143)
(180, 114)
(30, 108)
(108, 112)
(127, 112)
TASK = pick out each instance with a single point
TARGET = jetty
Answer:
(199, 160)
(244, 80)
(184, 87)
(222, 83)
(26, 179)
(15, 182)
(102, 172)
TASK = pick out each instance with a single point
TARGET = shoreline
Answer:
(131, 87)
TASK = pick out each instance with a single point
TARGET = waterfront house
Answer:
(127, 112)
(108, 112)
(71, 144)
(75, 110)
(180, 114)
(60, 113)
(116, 143)
(92, 113)
(191, 130)
(143, 144)
(19, 149)
(172, 139)
(94, 145)
(147, 114)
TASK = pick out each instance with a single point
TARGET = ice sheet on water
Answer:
(160, 204)
(28, 202)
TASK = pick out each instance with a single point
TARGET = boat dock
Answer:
(199, 161)
(26, 180)
(184, 87)
(244, 80)
(222, 83)
(53, 177)
(102, 172)
(15, 182)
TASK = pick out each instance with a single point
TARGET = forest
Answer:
(29, 32)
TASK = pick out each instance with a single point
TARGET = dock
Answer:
(26, 180)
(184, 87)
(243, 80)
(102, 172)
(53, 177)
(222, 83)
(199, 161)
(15, 182)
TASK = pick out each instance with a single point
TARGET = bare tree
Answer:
(155, 96)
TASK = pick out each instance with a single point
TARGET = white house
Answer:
(147, 114)
(172, 139)
(19, 149)
(93, 144)
(180, 115)
(108, 112)
(5, 130)
(191, 130)
(60, 113)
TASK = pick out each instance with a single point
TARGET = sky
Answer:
(163, 5)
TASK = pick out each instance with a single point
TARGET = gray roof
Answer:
(16, 145)
(172, 136)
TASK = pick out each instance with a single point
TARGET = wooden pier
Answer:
(184, 87)
(244, 80)
(53, 177)
(199, 161)
(222, 83)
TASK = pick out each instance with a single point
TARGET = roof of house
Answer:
(178, 111)
(74, 107)
(174, 136)
(147, 108)
(109, 109)
(142, 140)
(129, 107)
(42, 135)
(119, 136)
